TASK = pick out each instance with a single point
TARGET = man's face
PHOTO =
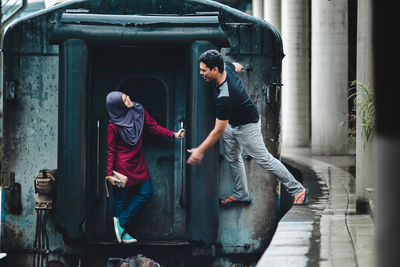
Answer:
(208, 74)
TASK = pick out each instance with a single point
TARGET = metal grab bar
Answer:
(180, 201)
(97, 160)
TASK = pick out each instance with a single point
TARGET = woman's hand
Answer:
(180, 134)
(112, 180)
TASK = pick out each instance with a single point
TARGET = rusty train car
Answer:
(60, 63)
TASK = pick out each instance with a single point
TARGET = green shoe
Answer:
(127, 238)
(118, 229)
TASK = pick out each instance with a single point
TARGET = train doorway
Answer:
(154, 77)
(163, 75)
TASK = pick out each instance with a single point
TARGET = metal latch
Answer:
(9, 90)
(44, 184)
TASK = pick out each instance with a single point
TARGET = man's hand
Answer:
(196, 156)
(212, 138)
(238, 66)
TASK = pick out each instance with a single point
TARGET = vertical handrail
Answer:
(180, 201)
(98, 159)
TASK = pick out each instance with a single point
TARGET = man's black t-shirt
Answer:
(233, 103)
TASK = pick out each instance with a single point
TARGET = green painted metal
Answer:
(156, 79)
(72, 138)
(139, 30)
(203, 181)
(51, 122)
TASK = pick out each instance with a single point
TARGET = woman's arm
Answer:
(151, 125)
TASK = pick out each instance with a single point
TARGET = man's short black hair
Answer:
(213, 58)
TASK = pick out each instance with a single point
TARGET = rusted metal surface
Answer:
(139, 261)
(30, 134)
(44, 187)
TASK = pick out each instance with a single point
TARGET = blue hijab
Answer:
(130, 121)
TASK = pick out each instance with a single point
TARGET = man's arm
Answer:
(238, 66)
(197, 153)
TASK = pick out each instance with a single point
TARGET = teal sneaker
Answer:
(118, 229)
(127, 238)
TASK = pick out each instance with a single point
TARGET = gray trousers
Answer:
(249, 136)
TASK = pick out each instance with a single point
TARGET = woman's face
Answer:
(127, 101)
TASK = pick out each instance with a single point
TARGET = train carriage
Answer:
(59, 65)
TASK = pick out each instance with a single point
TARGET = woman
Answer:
(125, 156)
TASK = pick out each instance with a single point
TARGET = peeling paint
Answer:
(33, 126)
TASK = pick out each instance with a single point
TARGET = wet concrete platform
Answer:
(327, 231)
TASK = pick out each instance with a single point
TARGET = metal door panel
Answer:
(154, 78)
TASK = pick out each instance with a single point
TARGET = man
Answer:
(239, 123)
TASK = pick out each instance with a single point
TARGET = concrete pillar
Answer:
(258, 9)
(329, 77)
(364, 151)
(295, 74)
(272, 13)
